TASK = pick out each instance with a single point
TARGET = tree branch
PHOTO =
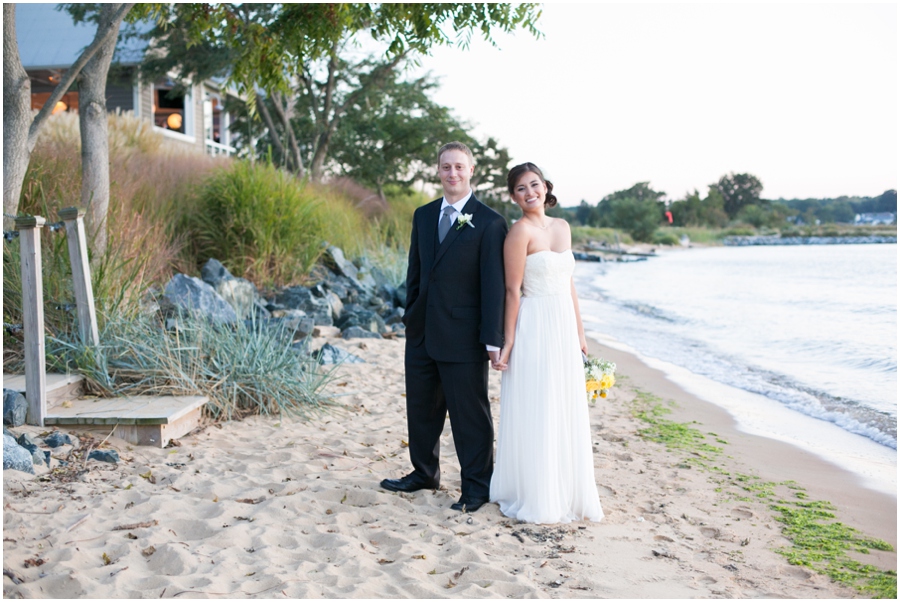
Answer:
(261, 108)
(289, 130)
(100, 38)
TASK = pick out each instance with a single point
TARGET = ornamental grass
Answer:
(243, 368)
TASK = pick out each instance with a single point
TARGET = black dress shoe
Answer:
(409, 483)
(469, 505)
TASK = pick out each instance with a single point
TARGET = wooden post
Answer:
(81, 274)
(29, 228)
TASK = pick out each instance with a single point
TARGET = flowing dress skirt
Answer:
(544, 470)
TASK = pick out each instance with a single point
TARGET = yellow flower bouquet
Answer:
(600, 376)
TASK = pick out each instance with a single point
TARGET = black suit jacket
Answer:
(455, 290)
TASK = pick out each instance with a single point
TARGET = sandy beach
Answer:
(271, 508)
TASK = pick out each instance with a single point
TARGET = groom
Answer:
(454, 321)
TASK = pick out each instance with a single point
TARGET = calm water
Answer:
(813, 328)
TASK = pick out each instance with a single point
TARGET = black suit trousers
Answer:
(435, 388)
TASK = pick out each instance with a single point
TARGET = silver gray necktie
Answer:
(444, 225)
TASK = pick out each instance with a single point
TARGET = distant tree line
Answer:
(734, 199)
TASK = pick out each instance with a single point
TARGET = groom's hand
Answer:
(495, 357)
(500, 360)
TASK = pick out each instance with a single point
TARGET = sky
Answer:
(803, 96)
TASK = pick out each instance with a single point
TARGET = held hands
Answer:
(500, 360)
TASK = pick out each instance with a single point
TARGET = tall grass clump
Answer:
(241, 369)
(149, 182)
(258, 221)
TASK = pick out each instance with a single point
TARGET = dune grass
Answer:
(242, 369)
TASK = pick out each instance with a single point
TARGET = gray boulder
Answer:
(334, 259)
(356, 332)
(335, 303)
(15, 407)
(57, 439)
(104, 455)
(364, 273)
(28, 442)
(16, 457)
(213, 272)
(240, 294)
(197, 297)
(329, 354)
(400, 295)
(300, 297)
(395, 317)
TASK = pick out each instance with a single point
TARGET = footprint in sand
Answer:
(742, 513)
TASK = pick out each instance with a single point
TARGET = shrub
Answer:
(241, 369)
(259, 222)
(665, 237)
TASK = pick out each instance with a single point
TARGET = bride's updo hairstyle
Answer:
(519, 170)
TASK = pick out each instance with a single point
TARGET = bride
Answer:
(544, 471)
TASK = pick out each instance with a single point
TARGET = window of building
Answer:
(169, 109)
(68, 102)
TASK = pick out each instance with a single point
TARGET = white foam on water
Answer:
(873, 463)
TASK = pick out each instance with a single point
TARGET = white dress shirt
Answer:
(458, 206)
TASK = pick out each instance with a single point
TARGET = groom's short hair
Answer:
(455, 146)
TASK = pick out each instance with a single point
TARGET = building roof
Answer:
(48, 38)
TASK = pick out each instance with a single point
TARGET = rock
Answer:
(354, 315)
(400, 295)
(240, 294)
(15, 407)
(335, 303)
(326, 331)
(295, 322)
(387, 293)
(38, 458)
(356, 332)
(213, 272)
(395, 317)
(56, 439)
(16, 457)
(287, 313)
(334, 259)
(329, 354)
(260, 311)
(26, 441)
(300, 297)
(338, 288)
(364, 275)
(197, 297)
(104, 455)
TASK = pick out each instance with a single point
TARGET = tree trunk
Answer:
(20, 130)
(93, 121)
(16, 118)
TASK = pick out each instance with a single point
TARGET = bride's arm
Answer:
(581, 338)
(515, 249)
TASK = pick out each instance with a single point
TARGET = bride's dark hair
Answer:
(516, 172)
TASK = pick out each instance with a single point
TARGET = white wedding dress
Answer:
(544, 470)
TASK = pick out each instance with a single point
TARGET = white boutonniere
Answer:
(464, 219)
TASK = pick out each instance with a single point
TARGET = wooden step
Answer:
(141, 420)
(60, 387)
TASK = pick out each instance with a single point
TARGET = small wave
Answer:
(647, 311)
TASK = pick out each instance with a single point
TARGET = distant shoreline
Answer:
(747, 241)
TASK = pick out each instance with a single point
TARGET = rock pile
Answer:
(354, 299)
